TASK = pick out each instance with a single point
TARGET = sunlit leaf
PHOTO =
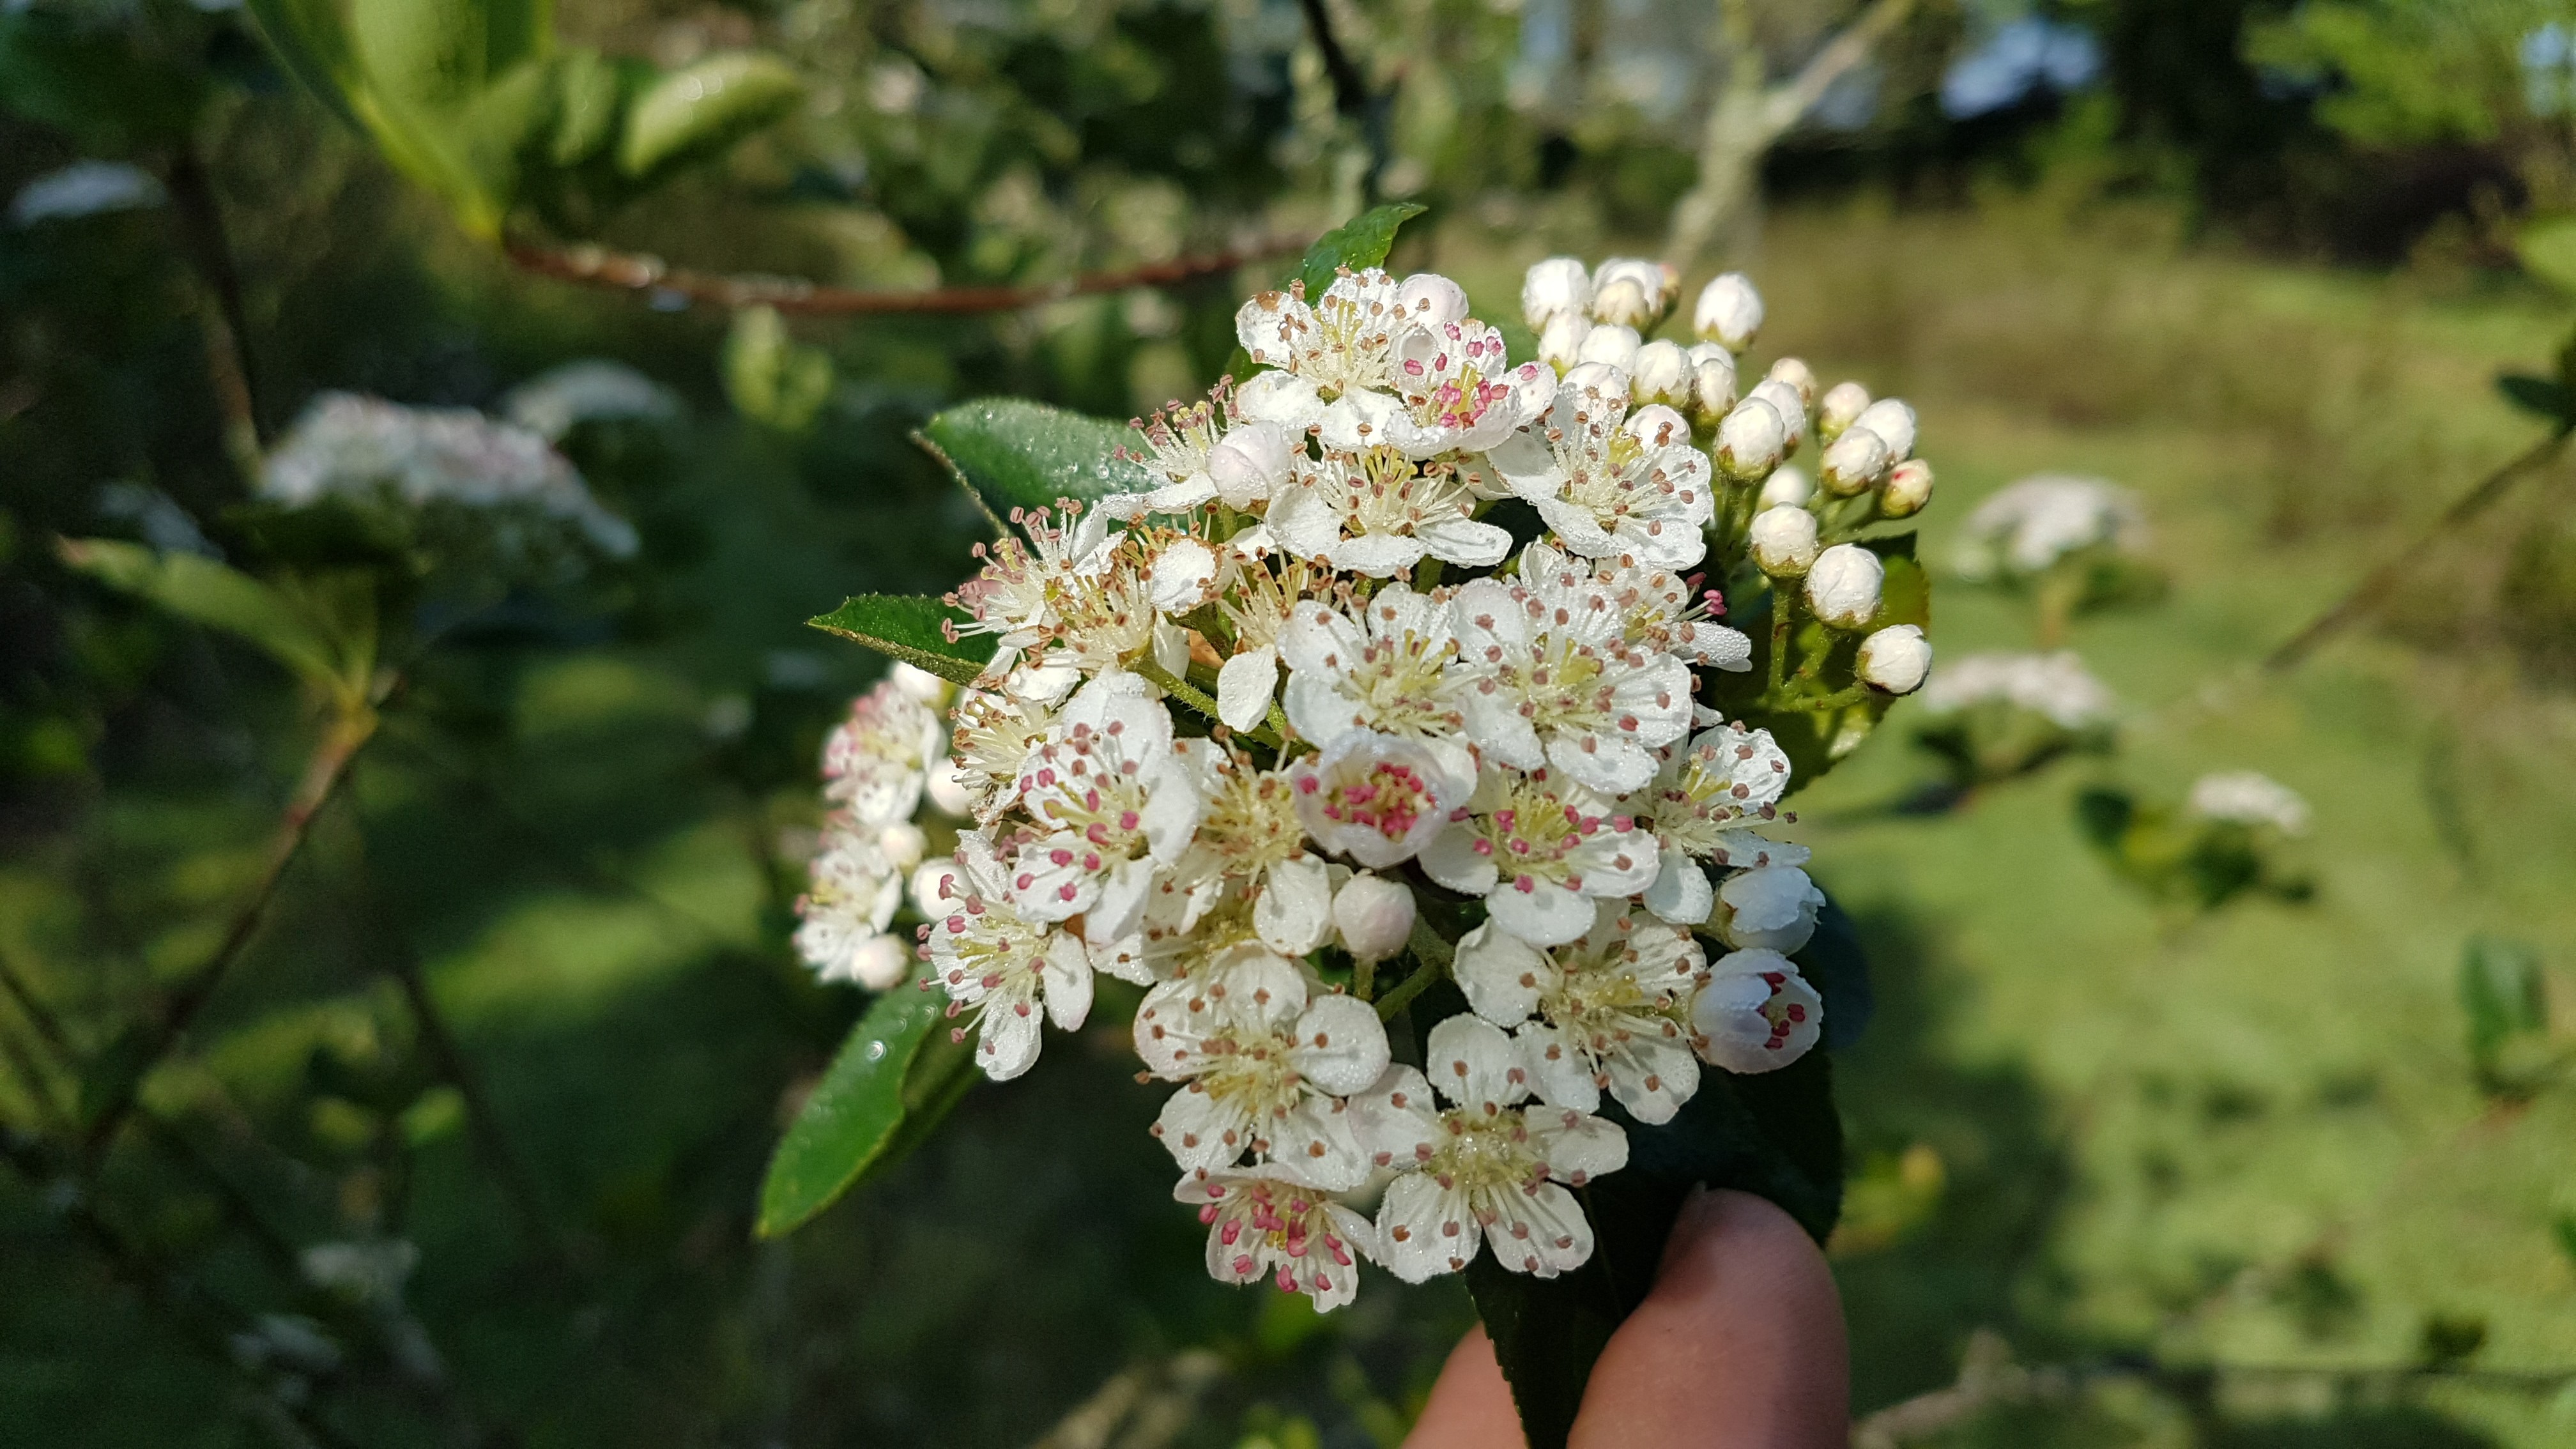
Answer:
(897, 1068)
(1021, 454)
(701, 109)
(215, 595)
(1360, 243)
(908, 627)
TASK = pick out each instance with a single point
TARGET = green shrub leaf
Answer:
(908, 627)
(2540, 395)
(1358, 244)
(1021, 454)
(895, 1076)
(219, 597)
(701, 109)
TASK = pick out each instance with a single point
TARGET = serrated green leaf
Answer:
(908, 627)
(1360, 243)
(701, 109)
(2540, 395)
(1021, 454)
(895, 1075)
(2547, 248)
(212, 594)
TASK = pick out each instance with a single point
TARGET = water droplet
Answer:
(876, 1051)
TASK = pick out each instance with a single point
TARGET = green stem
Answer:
(1411, 987)
(1781, 590)
(1363, 979)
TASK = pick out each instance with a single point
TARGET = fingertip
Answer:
(1471, 1405)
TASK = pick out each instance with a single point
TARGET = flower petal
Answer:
(1475, 1065)
(1502, 975)
(1294, 912)
(1543, 914)
(1341, 1047)
(1244, 685)
(1422, 1231)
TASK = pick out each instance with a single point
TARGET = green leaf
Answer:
(2547, 248)
(701, 109)
(769, 376)
(209, 593)
(1022, 454)
(908, 627)
(2504, 994)
(589, 95)
(1776, 1135)
(897, 1071)
(1905, 594)
(427, 53)
(2540, 395)
(1360, 243)
(312, 43)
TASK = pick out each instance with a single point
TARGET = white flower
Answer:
(1663, 614)
(1751, 440)
(1895, 659)
(1249, 463)
(1374, 916)
(1261, 1225)
(1486, 1170)
(1783, 539)
(1612, 1010)
(1729, 312)
(1339, 345)
(1552, 679)
(1387, 671)
(1907, 490)
(1113, 806)
(1555, 286)
(1265, 1068)
(1756, 1013)
(2027, 526)
(1016, 594)
(1005, 967)
(1375, 798)
(934, 884)
(1251, 837)
(1661, 372)
(1843, 585)
(1460, 392)
(994, 732)
(1632, 292)
(2055, 685)
(1770, 907)
(1606, 490)
(876, 760)
(591, 389)
(1375, 514)
(1704, 802)
(2249, 798)
(1842, 406)
(852, 891)
(1540, 849)
(1893, 422)
(947, 789)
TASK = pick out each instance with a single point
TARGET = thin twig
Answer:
(347, 733)
(636, 272)
(227, 327)
(2375, 589)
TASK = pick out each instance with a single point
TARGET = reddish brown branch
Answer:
(636, 272)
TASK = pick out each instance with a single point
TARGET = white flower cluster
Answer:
(2056, 686)
(2248, 797)
(1302, 709)
(363, 448)
(590, 389)
(878, 763)
(2025, 527)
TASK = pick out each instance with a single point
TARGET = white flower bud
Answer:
(1756, 1014)
(1557, 285)
(1428, 299)
(1374, 915)
(903, 844)
(1750, 440)
(1841, 408)
(1792, 409)
(1561, 337)
(878, 962)
(1784, 541)
(1798, 375)
(1787, 486)
(1609, 343)
(1597, 377)
(1656, 426)
(1896, 659)
(1854, 464)
(1712, 381)
(1768, 908)
(1632, 292)
(1729, 312)
(1247, 463)
(1893, 421)
(947, 792)
(1662, 373)
(1843, 585)
(1909, 487)
(937, 888)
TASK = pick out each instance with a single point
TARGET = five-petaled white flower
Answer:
(1540, 850)
(1385, 670)
(1375, 798)
(877, 758)
(1703, 802)
(1486, 1170)
(995, 961)
(1756, 1013)
(851, 894)
(1612, 1010)
(1265, 1065)
(1336, 358)
(1553, 681)
(1375, 513)
(1114, 805)
(1609, 485)
(1265, 1226)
